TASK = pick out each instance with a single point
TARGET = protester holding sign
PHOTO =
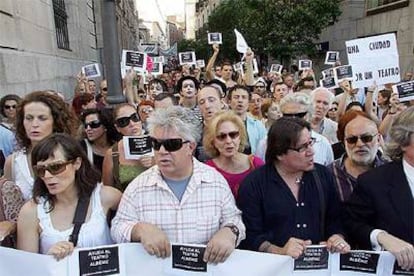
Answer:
(64, 179)
(180, 200)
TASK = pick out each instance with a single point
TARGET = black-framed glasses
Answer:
(305, 146)
(298, 115)
(92, 124)
(170, 145)
(124, 121)
(231, 134)
(54, 169)
(6, 106)
(259, 86)
(333, 109)
(365, 138)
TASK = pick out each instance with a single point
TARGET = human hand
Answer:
(249, 55)
(216, 48)
(147, 161)
(61, 249)
(402, 250)
(336, 243)
(130, 76)
(81, 77)
(373, 87)
(295, 247)
(220, 246)
(154, 240)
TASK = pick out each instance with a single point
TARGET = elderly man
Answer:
(322, 100)
(359, 133)
(179, 200)
(379, 214)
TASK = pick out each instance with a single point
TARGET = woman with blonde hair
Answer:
(224, 141)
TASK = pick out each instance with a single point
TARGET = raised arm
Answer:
(211, 62)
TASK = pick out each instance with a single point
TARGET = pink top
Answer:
(234, 179)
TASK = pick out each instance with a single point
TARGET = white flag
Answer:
(241, 44)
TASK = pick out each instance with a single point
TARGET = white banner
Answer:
(374, 59)
(132, 259)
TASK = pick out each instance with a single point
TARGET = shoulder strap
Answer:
(115, 168)
(79, 219)
(89, 150)
(251, 160)
(13, 175)
(321, 200)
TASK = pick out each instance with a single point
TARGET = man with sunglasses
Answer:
(359, 134)
(180, 200)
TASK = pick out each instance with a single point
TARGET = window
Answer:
(61, 24)
(378, 6)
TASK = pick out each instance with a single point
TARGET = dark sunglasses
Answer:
(169, 144)
(366, 138)
(232, 135)
(298, 115)
(124, 121)
(54, 169)
(259, 86)
(105, 89)
(9, 106)
(92, 124)
(333, 109)
(305, 146)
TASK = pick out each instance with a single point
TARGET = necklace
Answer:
(298, 178)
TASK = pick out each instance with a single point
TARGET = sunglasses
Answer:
(10, 106)
(366, 138)
(333, 109)
(305, 146)
(147, 110)
(92, 124)
(298, 115)
(231, 134)
(105, 89)
(259, 86)
(124, 121)
(169, 144)
(54, 169)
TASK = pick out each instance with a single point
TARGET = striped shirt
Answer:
(206, 206)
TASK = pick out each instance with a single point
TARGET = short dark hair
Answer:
(8, 97)
(164, 95)
(107, 120)
(236, 87)
(160, 81)
(180, 82)
(282, 135)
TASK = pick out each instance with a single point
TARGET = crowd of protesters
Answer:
(268, 162)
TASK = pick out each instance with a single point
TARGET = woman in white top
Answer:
(63, 176)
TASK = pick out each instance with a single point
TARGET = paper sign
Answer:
(314, 258)
(405, 90)
(135, 60)
(100, 261)
(215, 38)
(137, 146)
(157, 69)
(238, 67)
(241, 44)
(255, 67)
(189, 258)
(305, 64)
(342, 73)
(331, 57)
(327, 73)
(159, 59)
(374, 58)
(91, 70)
(200, 63)
(187, 58)
(277, 68)
(398, 270)
(329, 83)
(359, 261)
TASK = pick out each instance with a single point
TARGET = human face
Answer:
(174, 165)
(280, 91)
(228, 146)
(188, 89)
(226, 72)
(301, 160)
(133, 128)
(61, 182)
(10, 109)
(38, 121)
(239, 101)
(92, 86)
(165, 103)
(144, 112)
(93, 133)
(332, 112)
(217, 71)
(256, 104)
(360, 153)
(155, 89)
(209, 102)
(260, 87)
(321, 104)
(104, 88)
(82, 88)
(289, 81)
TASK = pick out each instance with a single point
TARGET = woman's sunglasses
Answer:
(10, 106)
(231, 134)
(169, 144)
(92, 124)
(124, 121)
(54, 169)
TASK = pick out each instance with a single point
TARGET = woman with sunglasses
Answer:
(333, 112)
(224, 141)
(64, 177)
(118, 171)
(100, 135)
(8, 107)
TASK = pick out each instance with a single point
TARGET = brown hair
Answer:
(345, 119)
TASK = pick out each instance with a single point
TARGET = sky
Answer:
(148, 11)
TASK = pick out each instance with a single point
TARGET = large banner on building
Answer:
(374, 58)
(132, 259)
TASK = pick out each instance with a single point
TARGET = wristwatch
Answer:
(234, 230)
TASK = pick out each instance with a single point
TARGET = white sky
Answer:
(148, 11)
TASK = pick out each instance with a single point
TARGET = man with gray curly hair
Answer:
(180, 199)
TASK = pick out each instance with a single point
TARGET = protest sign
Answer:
(328, 82)
(99, 261)
(215, 38)
(405, 90)
(305, 64)
(157, 69)
(187, 58)
(374, 58)
(91, 71)
(159, 59)
(314, 258)
(327, 73)
(187, 257)
(255, 67)
(200, 63)
(135, 60)
(331, 57)
(137, 146)
(276, 68)
(342, 73)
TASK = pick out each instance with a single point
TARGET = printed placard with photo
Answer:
(135, 60)
(157, 69)
(137, 146)
(405, 90)
(215, 38)
(342, 73)
(328, 82)
(201, 63)
(91, 71)
(276, 68)
(305, 64)
(328, 73)
(187, 58)
(331, 57)
(237, 67)
(160, 59)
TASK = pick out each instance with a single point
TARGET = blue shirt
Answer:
(7, 141)
(178, 186)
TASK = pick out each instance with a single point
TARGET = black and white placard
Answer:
(137, 146)
(200, 63)
(305, 64)
(157, 69)
(159, 59)
(276, 68)
(187, 58)
(359, 261)
(329, 83)
(314, 258)
(331, 57)
(91, 71)
(190, 258)
(135, 60)
(215, 38)
(99, 261)
(342, 73)
(405, 90)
